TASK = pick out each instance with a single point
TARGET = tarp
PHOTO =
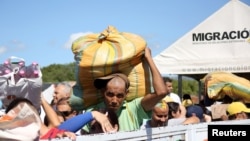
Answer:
(219, 43)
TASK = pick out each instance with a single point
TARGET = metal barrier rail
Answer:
(192, 132)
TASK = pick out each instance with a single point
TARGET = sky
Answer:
(42, 31)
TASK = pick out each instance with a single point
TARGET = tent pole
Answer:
(199, 93)
(180, 86)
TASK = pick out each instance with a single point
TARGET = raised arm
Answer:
(50, 113)
(149, 100)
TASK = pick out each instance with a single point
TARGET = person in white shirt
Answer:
(170, 95)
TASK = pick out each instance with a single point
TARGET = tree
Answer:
(66, 72)
(189, 86)
(58, 72)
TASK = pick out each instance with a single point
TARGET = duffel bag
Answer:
(100, 54)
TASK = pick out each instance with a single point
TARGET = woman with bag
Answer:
(11, 120)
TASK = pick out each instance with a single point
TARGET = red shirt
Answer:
(52, 133)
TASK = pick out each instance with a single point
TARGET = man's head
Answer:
(160, 114)
(186, 96)
(195, 110)
(187, 100)
(114, 88)
(62, 90)
(168, 84)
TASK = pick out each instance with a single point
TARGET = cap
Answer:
(187, 102)
(168, 99)
(162, 104)
(197, 110)
(102, 81)
(237, 107)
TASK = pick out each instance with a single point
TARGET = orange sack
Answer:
(104, 53)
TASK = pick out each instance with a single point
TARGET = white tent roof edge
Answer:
(219, 43)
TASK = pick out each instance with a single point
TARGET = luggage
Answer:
(225, 83)
(100, 54)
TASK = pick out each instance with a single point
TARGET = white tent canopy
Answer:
(219, 43)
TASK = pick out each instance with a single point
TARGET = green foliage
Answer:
(58, 73)
(66, 72)
(189, 86)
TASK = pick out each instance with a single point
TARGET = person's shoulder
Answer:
(135, 100)
(134, 104)
(174, 94)
(94, 107)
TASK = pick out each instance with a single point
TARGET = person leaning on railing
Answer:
(237, 111)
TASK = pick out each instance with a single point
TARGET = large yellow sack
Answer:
(105, 53)
(225, 83)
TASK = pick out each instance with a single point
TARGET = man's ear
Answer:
(127, 91)
(173, 113)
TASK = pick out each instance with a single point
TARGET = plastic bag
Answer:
(14, 83)
(21, 123)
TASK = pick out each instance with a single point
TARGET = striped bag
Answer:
(104, 53)
(225, 83)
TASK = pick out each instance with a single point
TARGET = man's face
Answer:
(115, 93)
(159, 117)
(59, 93)
(169, 87)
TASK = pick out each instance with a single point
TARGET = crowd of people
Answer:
(162, 107)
